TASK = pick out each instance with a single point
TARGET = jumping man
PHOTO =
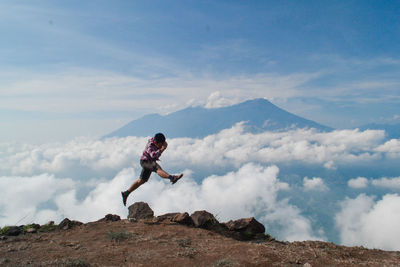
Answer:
(154, 148)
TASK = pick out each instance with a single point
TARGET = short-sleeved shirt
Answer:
(151, 152)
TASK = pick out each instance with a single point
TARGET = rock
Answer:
(13, 231)
(249, 226)
(204, 219)
(140, 210)
(110, 218)
(183, 218)
(68, 224)
(31, 230)
(307, 265)
(168, 216)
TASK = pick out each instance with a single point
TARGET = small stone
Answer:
(132, 220)
(31, 230)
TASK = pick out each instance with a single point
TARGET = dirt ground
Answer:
(149, 243)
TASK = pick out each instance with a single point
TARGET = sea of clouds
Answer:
(233, 174)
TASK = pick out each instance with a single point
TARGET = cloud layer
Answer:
(231, 147)
(232, 174)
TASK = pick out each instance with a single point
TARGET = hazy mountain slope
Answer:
(197, 122)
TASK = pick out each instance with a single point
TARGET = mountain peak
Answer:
(198, 122)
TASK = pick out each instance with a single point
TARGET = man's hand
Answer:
(164, 146)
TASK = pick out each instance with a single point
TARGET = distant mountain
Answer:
(197, 122)
(391, 130)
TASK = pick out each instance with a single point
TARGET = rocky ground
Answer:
(165, 241)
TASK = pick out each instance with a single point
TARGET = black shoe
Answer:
(175, 178)
(124, 197)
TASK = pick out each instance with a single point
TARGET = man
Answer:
(154, 148)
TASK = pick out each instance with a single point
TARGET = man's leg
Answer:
(132, 188)
(172, 178)
(162, 173)
(135, 185)
(144, 177)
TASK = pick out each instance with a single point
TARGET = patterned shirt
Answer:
(151, 152)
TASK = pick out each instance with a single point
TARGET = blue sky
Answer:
(85, 68)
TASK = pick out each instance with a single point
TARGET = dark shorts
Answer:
(147, 168)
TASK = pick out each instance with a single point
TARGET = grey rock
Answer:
(183, 218)
(140, 210)
(68, 224)
(249, 226)
(204, 219)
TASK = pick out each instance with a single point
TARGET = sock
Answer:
(170, 177)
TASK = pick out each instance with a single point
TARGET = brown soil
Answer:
(150, 243)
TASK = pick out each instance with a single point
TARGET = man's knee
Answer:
(142, 181)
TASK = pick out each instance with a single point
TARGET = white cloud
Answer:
(390, 183)
(88, 90)
(231, 148)
(359, 182)
(391, 148)
(316, 184)
(216, 100)
(362, 221)
(234, 146)
(21, 196)
(103, 199)
(79, 157)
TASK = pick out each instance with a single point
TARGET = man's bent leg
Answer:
(162, 173)
(172, 178)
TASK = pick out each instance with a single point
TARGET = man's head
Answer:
(159, 138)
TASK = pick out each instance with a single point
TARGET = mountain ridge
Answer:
(197, 122)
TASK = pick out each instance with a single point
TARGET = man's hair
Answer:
(159, 138)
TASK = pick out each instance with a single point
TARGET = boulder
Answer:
(204, 219)
(68, 224)
(140, 210)
(247, 226)
(13, 231)
(183, 218)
